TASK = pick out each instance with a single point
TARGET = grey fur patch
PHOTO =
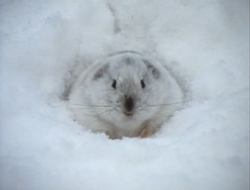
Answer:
(128, 61)
(155, 72)
(100, 72)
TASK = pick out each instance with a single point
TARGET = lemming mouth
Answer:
(128, 113)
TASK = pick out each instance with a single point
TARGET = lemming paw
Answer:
(147, 132)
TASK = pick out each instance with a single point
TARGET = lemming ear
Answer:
(100, 72)
(155, 72)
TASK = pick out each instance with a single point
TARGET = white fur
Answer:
(99, 107)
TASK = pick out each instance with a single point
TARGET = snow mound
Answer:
(204, 44)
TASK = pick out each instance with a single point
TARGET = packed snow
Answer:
(204, 44)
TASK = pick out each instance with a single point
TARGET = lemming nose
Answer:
(129, 104)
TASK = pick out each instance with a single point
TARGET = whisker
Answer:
(89, 105)
(80, 108)
(106, 111)
(165, 104)
(96, 115)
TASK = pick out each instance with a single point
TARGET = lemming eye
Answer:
(143, 85)
(114, 84)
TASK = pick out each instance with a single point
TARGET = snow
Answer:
(205, 44)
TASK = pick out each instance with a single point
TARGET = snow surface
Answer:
(204, 43)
